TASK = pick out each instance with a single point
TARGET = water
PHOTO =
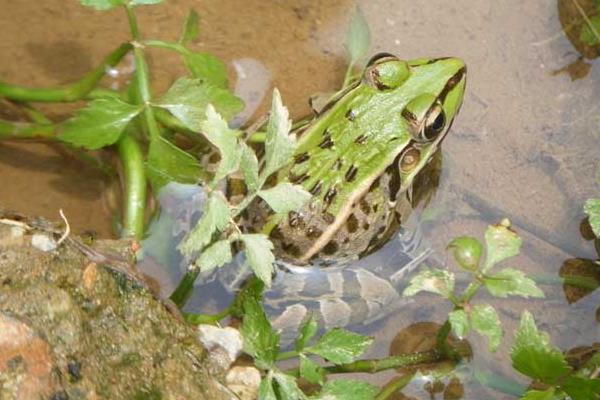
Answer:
(523, 147)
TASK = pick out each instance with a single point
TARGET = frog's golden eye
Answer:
(409, 160)
(435, 121)
(385, 71)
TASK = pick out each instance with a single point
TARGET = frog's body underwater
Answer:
(359, 158)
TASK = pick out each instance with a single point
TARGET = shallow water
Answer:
(524, 145)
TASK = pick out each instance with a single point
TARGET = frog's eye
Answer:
(409, 160)
(435, 121)
(385, 71)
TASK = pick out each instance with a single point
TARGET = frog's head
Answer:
(432, 93)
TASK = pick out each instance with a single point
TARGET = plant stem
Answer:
(184, 289)
(197, 319)
(25, 130)
(395, 385)
(69, 93)
(286, 355)
(134, 203)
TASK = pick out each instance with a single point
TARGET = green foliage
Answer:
(340, 346)
(102, 5)
(217, 132)
(588, 34)
(191, 29)
(592, 209)
(215, 255)
(260, 257)
(310, 370)
(485, 321)
(307, 331)
(347, 389)
(285, 197)
(188, 100)
(467, 252)
(208, 68)
(431, 280)
(279, 145)
(249, 167)
(532, 354)
(260, 340)
(358, 39)
(168, 163)
(502, 243)
(99, 124)
(511, 281)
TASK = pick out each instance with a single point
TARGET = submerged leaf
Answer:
(460, 323)
(502, 243)
(431, 280)
(511, 281)
(358, 39)
(102, 5)
(99, 124)
(485, 321)
(168, 163)
(208, 68)
(260, 340)
(592, 209)
(144, 2)
(347, 389)
(190, 28)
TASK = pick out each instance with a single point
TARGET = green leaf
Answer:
(310, 370)
(587, 34)
(265, 389)
(102, 5)
(99, 124)
(187, 99)
(308, 329)
(144, 2)
(249, 167)
(285, 197)
(340, 346)
(279, 145)
(215, 255)
(260, 256)
(208, 68)
(485, 321)
(260, 340)
(511, 281)
(347, 389)
(467, 252)
(288, 388)
(581, 388)
(459, 322)
(532, 354)
(431, 280)
(548, 394)
(502, 243)
(168, 163)
(218, 133)
(358, 39)
(253, 288)
(215, 218)
(190, 28)
(592, 209)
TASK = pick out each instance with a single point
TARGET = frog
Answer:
(359, 157)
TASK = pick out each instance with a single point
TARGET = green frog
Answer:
(360, 156)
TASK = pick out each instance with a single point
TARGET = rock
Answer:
(223, 344)
(244, 382)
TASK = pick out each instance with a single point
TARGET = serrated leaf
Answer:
(340, 346)
(532, 354)
(260, 257)
(168, 163)
(215, 255)
(510, 281)
(347, 389)
(102, 5)
(260, 340)
(207, 68)
(285, 197)
(592, 209)
(279, 145)
(215, 218)
(288, 388)
(460, 323)
(485, 321)
(358, 39)
(99, 124)
(187, 99)
(265, 389)
(581, 388)
(431, 280)
(548, 394)
(249, 167)
(310, 370)
(588, 33)
(190, 28)
(502, 243)
(218, 133)
(253, 288)
(306, 332)
(144, 2)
